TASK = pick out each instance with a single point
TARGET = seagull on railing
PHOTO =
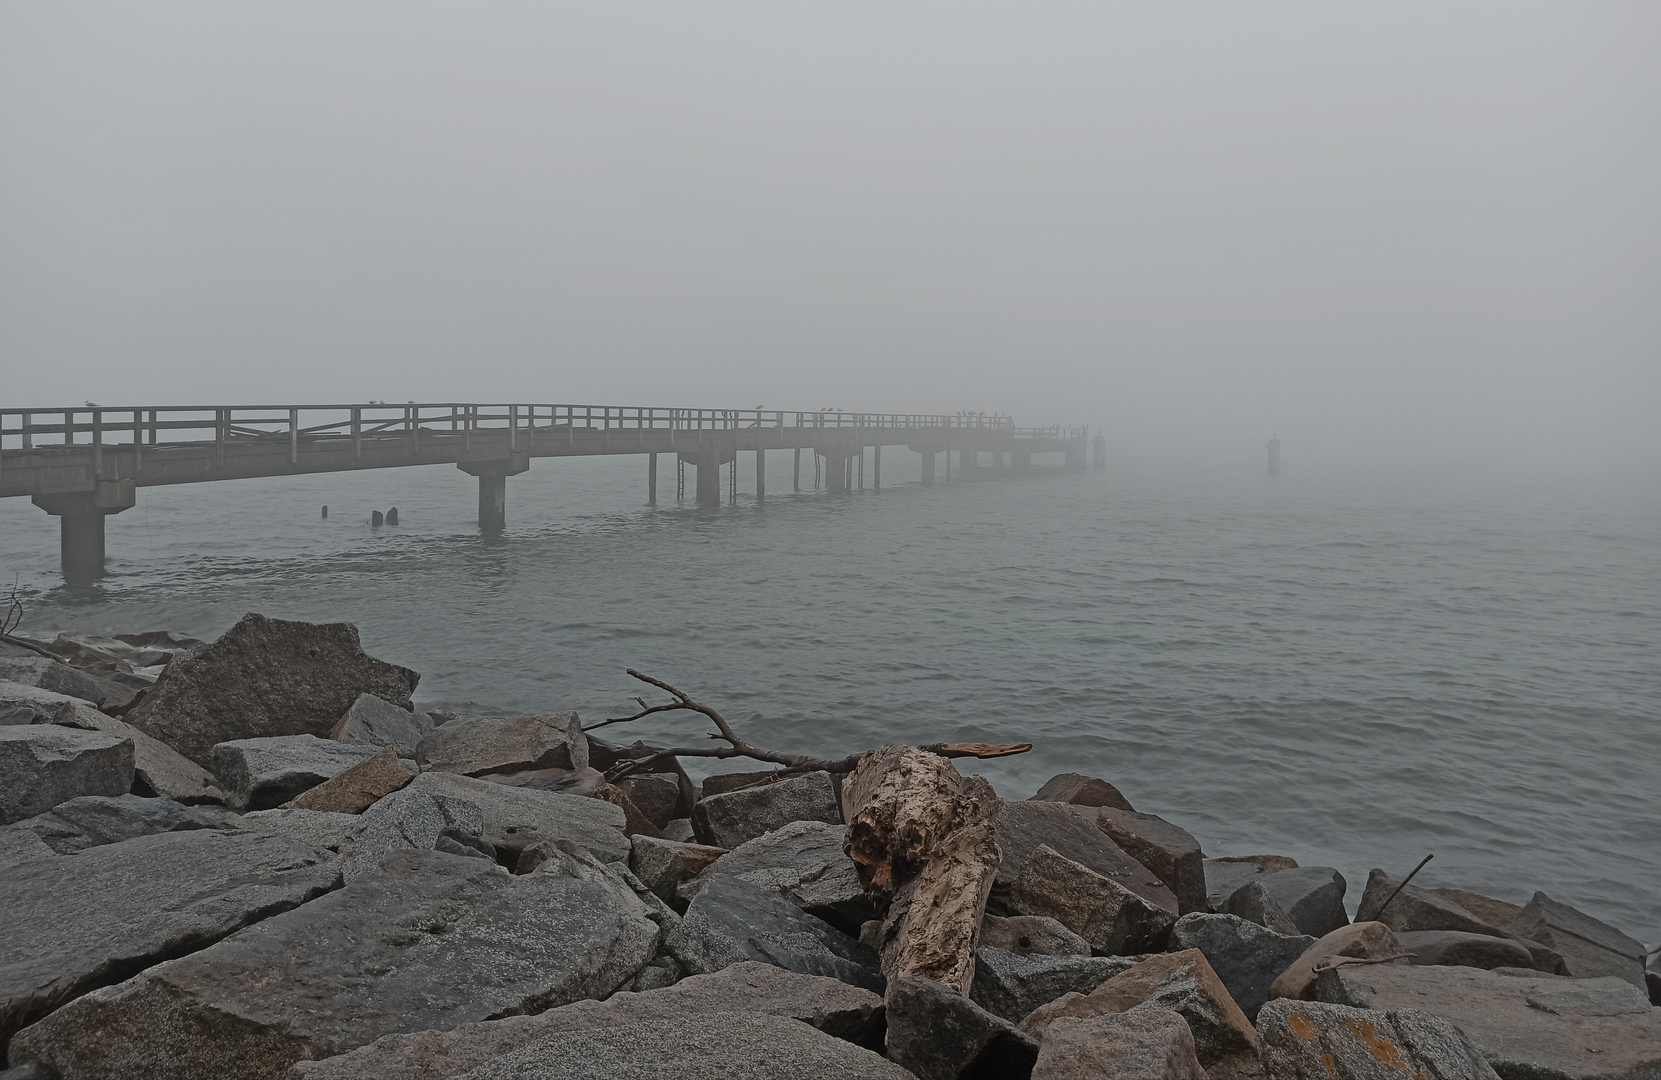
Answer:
(92, 405)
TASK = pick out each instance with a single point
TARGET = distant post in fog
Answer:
(1274, 456)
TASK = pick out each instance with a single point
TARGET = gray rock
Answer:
(1253, 903)
(721, 783)
(1246, 957)
(1306, 1040)
(158, 769)
(1414, 909)
(1147, 1044)
(1312, 895)
(729, 1046)
(429, 941)
(1223, 876)
(803, 862)
(1489, 910)
(19, 843)
(265, 677)
(42, 765)
(1589, 948)
(665, 864)
(79, 922)
(1453, 948)
(258, 774)
(1110, 916)
(92, 820)
(730, 819)
(938, 1034)
(1031, 935)
(45, 673)
(832, 1006)
(681, 831)
(414, 821)
(517, 818)
(731, 921)
(357, 787)
(1013, 986)
(475, 745)
(1183, 982)
(1168, 850)
(1081, 790)
(373, 721)
(660, 974)
(1543, 1028)
(657, 795)
(318, 828)
(1071, 832)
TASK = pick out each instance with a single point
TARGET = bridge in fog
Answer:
(82, 465)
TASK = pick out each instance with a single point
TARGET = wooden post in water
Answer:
(651, 479)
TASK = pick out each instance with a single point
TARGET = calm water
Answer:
(1353, 673)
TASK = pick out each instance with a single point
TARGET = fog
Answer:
(1394, 234)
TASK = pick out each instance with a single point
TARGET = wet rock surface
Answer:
(1153, 1044)
(259, 774)
(79, 922)
(1013, 986)
(517, 818)
(373, 721)
(42, 765)
(1245, 956)
(938, 1034)
(830, 1005)
(265, 677)
(476, 745)
(1544, 1028)
(803, 862)
(731, 921)
(430, 940)
(1312, 1041)
(730, 819)
(94, 820)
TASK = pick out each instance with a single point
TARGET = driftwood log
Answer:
(921, 837)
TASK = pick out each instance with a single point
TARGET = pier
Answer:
(84, 465)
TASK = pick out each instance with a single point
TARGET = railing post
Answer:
(294, 436)
(138, 439)
(28, 431)
(357, 432)
(69, 429)
(98, 444)
(221, 417)
(152, 427)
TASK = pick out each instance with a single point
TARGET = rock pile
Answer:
(272, 865)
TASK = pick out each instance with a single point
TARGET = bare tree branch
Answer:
(650, 757)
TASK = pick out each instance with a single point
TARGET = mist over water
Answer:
(1350, 671)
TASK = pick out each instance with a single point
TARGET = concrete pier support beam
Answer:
(928, 466)
(997, 459)
(1023, 460)
(1075, 454)
(493, 487)
(651, 479)
(837, 465)
(708, 464)
(968, 464)
(81, 517)
(876, 467)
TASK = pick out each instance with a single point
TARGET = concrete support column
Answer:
(997, 459)
(493, 502)
(798, 471)
(876, 467)
(1099, 446)
(836, 471)
(1075, 454)
(651, 479)
(493, 487)
(761, 476)
(1023, 460)
(928, 466)
(81, 517)
(968, 462)
(709, 479)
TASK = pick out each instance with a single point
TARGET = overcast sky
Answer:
(1386, 232)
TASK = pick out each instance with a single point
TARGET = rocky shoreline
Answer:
(259, 858)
